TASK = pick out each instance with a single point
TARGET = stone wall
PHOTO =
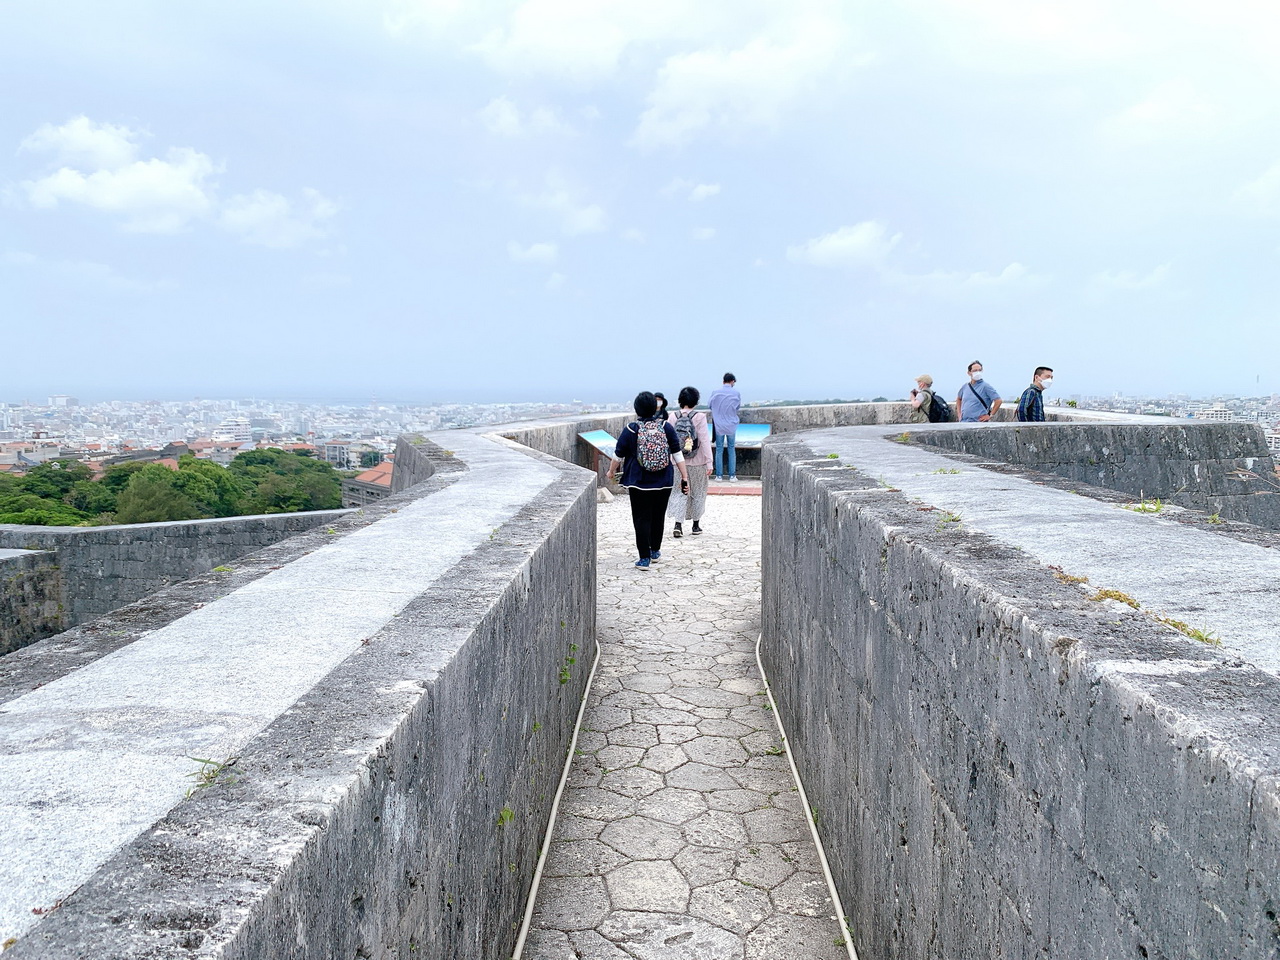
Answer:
(30, 599)
(560, 439)
(986, 781)
(414, 462)
(104, 568)
(1222, 468)
(398, 808)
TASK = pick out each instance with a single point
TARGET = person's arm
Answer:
(959, 412)
(917, 398)
(677, 455)
(994, 407)
(619, 454)
(704, 438)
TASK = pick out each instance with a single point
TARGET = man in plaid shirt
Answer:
(1031, 403)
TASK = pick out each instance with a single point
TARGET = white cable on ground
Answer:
(808, 812)
(555, 808)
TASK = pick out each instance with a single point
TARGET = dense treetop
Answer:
(64, 493)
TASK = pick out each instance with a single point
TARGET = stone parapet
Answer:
(396, 804)
(104, 568)
(999, 763)
(1221, 468)
(30, 598)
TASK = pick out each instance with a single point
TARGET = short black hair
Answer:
(689, 397)
(646, 404)
(1040, 370)
(969, 368)
(730, 378)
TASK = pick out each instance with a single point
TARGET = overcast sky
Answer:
(440, 199)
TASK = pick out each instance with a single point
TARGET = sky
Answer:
(435, 200)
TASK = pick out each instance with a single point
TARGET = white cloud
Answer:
(960, 283)
(534, 253)
(555, 281)
(84, 272)
(868, 245)
(1013, 273)
(1261, 196)
(864, 244)
(1109, 280)
(502, 117)
(678, 185)
(268, 219)
(576, 216)
(1175, 108)
(632, 235)
(582, 39)
(1130, 280)
(730, 89)
(154, 196)
(101, 170)
(704, 233)
(695, 192)
(82, 143)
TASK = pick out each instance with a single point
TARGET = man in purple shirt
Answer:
(724, 405)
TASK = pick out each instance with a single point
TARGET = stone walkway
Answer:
(680, 833)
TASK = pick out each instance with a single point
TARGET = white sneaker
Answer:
(733, 479)
(717, 478)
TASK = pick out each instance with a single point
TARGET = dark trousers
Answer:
(648, 513)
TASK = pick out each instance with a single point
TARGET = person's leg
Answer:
(657, 519)
(719, 455)
(697, 494)
(640, 520)
(730, 440)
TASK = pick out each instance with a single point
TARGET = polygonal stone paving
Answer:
(680, 834)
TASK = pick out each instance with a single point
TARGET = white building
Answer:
(1218, 412)
(233, 430)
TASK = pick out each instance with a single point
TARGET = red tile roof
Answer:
(381, 475)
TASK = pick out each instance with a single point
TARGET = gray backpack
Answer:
(686, 433)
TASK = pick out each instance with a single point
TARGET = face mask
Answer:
(1047, 382)
(976, 375)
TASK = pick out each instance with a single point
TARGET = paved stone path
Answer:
(680, 833)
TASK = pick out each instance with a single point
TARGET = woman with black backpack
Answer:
(648, 451)
(695, 442)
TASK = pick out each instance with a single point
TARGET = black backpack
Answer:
(939, 410)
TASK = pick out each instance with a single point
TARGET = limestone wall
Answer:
(414, 462)
(1222, 468)
(30, 599)
(104, 568)
(397, 808)
(999, 767)
(560, 440)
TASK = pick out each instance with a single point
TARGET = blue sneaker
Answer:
(643, 564)
(655, 556)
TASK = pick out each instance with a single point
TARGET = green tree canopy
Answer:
(284, 482)
(56, 478)
(154, 495)
(63, 492)
(19, 507)
(116, 477)
(216, 491)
